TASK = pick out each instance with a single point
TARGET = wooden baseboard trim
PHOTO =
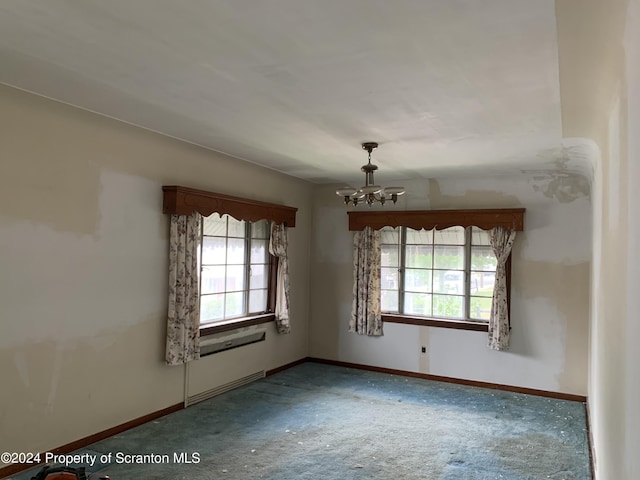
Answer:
(96, 437)
(460, 381)
(592, 452)
(285, 367)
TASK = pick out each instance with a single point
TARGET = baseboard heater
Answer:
(209, 348)
(224, 388)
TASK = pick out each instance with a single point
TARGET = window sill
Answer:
(433, 322)
(210, 329)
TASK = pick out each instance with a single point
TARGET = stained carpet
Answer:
(316, 421)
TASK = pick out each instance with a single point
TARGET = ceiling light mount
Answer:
(370, 192)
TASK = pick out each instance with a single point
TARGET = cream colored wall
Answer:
(83, 245)
(600, 77)
(550, 287)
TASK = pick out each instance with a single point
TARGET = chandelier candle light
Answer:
(370, 193)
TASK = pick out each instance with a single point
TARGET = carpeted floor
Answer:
(317, 421)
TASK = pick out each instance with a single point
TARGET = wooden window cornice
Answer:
(185, 201)
(486, 219)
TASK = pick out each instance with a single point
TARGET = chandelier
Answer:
(370, 192)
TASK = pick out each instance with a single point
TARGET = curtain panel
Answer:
(501, 241)
(366, 316)
(183, 319)
(278, 245)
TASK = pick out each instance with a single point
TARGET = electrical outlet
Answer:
(424, 349)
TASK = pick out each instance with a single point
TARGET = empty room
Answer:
(300, 239)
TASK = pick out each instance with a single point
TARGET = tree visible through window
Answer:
(234, 268)
(446, 274)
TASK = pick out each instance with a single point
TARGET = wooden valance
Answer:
(185, 201)
(486, 219)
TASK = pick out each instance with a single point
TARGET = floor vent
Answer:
(224, 388)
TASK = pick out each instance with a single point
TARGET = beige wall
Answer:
(600, 77)
(83, 258)
(550, 286)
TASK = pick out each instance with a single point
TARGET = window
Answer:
(235, 268)
(440, 274)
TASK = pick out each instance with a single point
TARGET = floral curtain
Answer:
(278, 247)
(366, 318)
(501, 242)
(183, 320)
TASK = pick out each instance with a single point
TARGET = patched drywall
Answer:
(550, 288)
(84, 289)
(482, 196)
(568, 286)
(53, 388)
(599, 78)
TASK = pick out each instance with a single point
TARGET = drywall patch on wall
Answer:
(547, 352)
(60, 399)
(455, 197)
(556, 232)
(62, 195)
(82, 283)
(567, 286)
(533, 360)
(53, 156)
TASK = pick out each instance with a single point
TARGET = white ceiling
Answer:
(296, 85)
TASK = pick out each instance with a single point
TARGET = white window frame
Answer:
(466, 272)
(246, 290)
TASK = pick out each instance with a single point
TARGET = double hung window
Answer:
(235, 268)
(439, 274)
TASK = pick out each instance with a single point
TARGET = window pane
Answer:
(389, 300)
(258, 301)
(259, 250)
(259, 276)
(448, 306)
(213, 279)
(416, 256)
(260, 229)
(482, 283)
(390, 235)
(483, 258)
(234, 304)
(389, 256)
(417, 304)
(236, 227)
(450, 236)
(479, 236)
(389, 278)
(211, 307)
(235, 278)
(419, 237)
(214, 225)
(225, 276)
(449, 258)
(417, 280)
(214, 250)
(480, 308)
(235, 251)
(448, 281)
